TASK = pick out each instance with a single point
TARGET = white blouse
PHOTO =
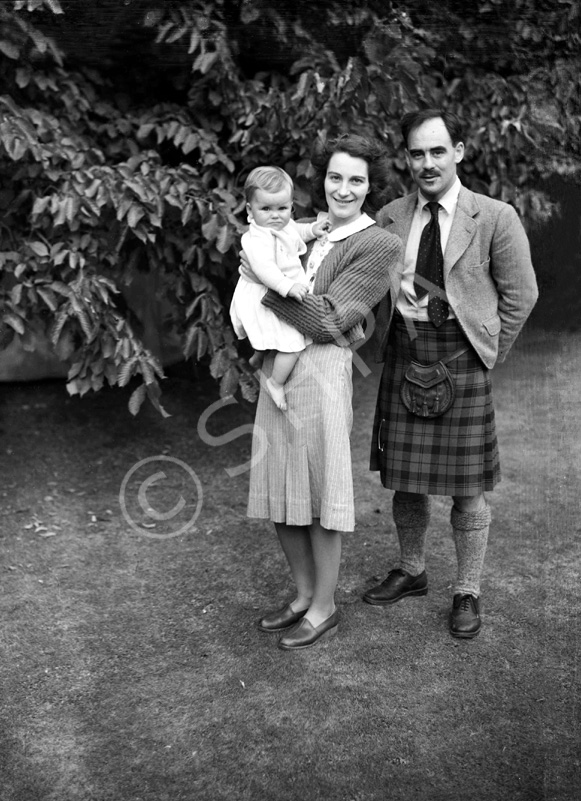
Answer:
(323, 245)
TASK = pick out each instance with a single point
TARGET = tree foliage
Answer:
(111, 168)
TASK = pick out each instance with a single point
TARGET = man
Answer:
(467, 287)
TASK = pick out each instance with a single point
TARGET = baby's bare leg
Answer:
(255, 361)
(282, 368)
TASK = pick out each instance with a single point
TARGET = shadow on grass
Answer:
(133, 668)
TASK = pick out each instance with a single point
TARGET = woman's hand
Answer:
(298, 292)
(245, 270)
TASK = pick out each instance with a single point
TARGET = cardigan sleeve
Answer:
(360, 280)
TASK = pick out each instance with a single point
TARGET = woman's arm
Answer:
(359, 282)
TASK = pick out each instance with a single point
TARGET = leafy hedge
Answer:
(99, 185)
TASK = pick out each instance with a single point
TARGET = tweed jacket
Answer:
(488, 274)
(351, 280)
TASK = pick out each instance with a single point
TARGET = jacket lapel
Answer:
(398, 221)
(399, 218)
(463, 229)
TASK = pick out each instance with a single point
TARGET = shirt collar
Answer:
(359, 224)
(448, 201)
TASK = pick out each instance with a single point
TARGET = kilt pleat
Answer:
(454, 454)
(301, 458)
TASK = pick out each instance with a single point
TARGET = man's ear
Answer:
(407, 157)
(459, 152)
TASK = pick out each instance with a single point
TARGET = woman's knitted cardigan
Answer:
(351, 280)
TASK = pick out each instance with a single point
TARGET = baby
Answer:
(272, 244)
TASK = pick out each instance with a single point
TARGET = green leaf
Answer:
(62, 289)
(126, 372)
(135, 214)
(154, 394)
(48, 298)
(224, 239)
(137, 397)
(57, 327)
(73, 387)
(54, 6)
(16, 294)
(40, 204)
(202, 344)
(147, 371)
(191, 341)
(39, 248)
(219, 363)
(9, 49)
(14, 322)
(229, 382)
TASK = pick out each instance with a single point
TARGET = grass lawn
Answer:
(132, 668)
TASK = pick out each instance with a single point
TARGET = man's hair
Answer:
(357, 146)
(269, 179)
(414, 119)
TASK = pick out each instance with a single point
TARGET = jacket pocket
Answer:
(492, 325)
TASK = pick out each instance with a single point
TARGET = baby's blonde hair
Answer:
(269, 179)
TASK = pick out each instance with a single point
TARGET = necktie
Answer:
(430, 269)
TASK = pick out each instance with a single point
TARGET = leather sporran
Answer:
(428, 390)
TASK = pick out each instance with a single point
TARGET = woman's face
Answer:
(346, 187)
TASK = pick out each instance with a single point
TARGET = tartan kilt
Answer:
(454, 454)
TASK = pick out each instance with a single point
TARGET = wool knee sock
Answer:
(411, 521)
(470, 538)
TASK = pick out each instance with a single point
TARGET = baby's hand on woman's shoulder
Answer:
(321, 227)
(298, 292)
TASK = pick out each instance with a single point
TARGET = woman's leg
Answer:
(326, 552)
(295, 542)
(314, 557)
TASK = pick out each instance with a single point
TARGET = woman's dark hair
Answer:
(360, 147)
(414, 119)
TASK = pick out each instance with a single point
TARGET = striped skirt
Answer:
(454, 454)
(301, 458)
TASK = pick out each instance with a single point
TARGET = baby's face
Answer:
(271, 209)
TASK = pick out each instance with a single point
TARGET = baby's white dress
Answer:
(274, 260)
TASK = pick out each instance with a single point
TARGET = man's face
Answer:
(432, 158)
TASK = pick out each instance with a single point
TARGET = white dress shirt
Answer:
(407, 302)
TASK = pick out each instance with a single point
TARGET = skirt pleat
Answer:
(301, 458)
(454, 454)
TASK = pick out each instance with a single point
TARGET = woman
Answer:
(303, 482)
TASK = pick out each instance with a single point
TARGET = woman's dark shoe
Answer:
(305, 635)
(396, 586)
(278, 621)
